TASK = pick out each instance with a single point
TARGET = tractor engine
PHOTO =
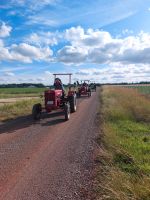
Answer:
(52, 99)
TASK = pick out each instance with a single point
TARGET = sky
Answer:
(105, 41)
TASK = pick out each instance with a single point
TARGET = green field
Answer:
(20, 92)
(142, 89)
(124, 170)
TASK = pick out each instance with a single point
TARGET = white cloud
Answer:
(135, 56)
(125, 59)
(43, 38)
(4, 52)
(127, 32)
(77, 36)
(33, 4)
(9, 74)
(96, 46)
(25, 53)
(5, 30)
(72, 55)
(41, 19)
(48, 73)
(115, 72)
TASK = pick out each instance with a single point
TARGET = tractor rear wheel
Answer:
(73, 103)
(36, 111)
(67, 111)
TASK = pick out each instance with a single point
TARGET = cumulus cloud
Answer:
(5, 30)
(4, 52)
(77, 36)
(97, 46)
(43, 38)
(71, 55)
(78, 46)
(135, 56)
(25, 53)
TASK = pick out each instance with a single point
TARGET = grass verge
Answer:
(20, 108)
(123, 172)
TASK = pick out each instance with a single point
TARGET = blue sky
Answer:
(105, 41)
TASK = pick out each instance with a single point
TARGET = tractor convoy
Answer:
(60, 99)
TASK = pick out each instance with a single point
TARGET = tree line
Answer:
(22, 85)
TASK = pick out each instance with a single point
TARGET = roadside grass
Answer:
(124, 169)
(20, 108)
(20, 92)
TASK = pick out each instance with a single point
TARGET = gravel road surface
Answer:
(49, 159)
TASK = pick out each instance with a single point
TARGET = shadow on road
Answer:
(10, 126)
(47, 119)
(53, 122)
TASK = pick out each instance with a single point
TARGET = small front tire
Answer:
(36, 111)
(73, 103)
(67, 111)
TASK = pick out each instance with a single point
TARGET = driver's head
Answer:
(58, 81)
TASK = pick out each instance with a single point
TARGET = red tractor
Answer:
(55, 99)
(84, 89)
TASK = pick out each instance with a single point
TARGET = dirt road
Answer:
(50, 159)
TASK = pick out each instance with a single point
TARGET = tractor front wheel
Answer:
(67, 111)
(89, 94)
(36, 111)
(73, 103)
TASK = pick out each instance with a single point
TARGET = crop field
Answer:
(20, 92)
(143, 89)
(124, 171)
(15, 102)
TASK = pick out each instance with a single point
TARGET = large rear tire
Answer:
(36, 111)
(67, 111)
(73, 103)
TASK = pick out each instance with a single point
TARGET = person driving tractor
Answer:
(84, 84)
(58, 85)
